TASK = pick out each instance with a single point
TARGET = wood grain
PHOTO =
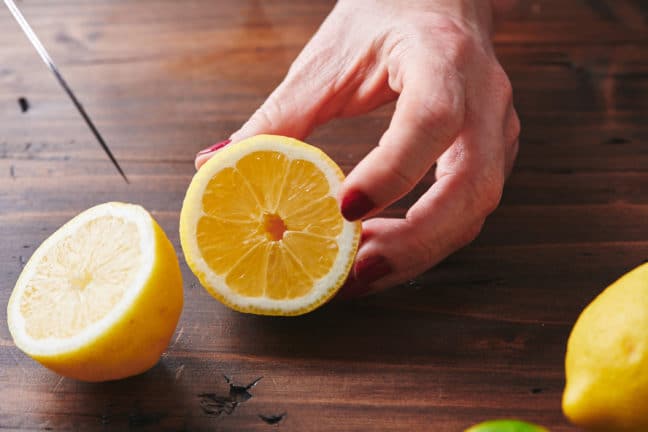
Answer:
(481, 336)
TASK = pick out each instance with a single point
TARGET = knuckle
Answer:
(454, 38)
(471, 233)
(405, 180)
(514, 149)
(269, 113)
(441, 114)
(502, 84)
(437, 112)
(513, 128)
(491, 195)
(511, 155)
(487, 193)
(424, 255)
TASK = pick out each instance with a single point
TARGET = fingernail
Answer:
(355, 205)
(352, 289)
(214, 147)
(371, 269)
(364, 273)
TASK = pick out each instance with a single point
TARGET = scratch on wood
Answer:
(24, 104)
(12, 172)
(180, 333)
(616, 141)
(216, 405)
(273, 419)
(178, 373)
(104, 419)
(58, 384)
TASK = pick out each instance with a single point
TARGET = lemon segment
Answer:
(261, 228)
(100, 298)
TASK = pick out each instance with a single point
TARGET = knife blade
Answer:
(24, 25)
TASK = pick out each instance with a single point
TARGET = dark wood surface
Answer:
(481, 336)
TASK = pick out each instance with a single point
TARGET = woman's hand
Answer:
(454, 110)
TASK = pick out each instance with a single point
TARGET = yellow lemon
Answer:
(607, 359)
(261, 228)
(506, 426)
(100, 298)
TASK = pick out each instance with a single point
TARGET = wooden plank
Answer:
(480, 336)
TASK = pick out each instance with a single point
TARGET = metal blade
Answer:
(52, 67)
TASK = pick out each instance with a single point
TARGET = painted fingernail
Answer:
(364, 273)
(214, 147)
(352, 289)
(371, 269)
(355, 205)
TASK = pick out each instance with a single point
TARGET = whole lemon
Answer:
(607, 359)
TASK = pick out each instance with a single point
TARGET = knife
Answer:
(24, 25)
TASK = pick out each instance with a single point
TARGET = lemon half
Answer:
(101, 297)
(261, 228)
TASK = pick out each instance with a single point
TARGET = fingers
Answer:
(428, 116)
(447, 217)
(470, 178)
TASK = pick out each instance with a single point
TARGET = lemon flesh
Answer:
(100, 298)
(261, 228)
(72, 289)
(607, 359)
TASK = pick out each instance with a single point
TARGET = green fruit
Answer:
(506, 426)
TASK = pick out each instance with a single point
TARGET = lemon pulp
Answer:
(258, 226)
(82, 278)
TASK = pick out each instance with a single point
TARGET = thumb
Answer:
(290, 110)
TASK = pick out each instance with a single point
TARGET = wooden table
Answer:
(481, 336)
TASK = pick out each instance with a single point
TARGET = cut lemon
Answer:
(261, 228)
(100, 298)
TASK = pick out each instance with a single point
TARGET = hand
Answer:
(454, 110)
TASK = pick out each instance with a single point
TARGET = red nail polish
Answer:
(371, 269)
(214, 147)
(352, 289)
(355, 205)
(364, 273)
